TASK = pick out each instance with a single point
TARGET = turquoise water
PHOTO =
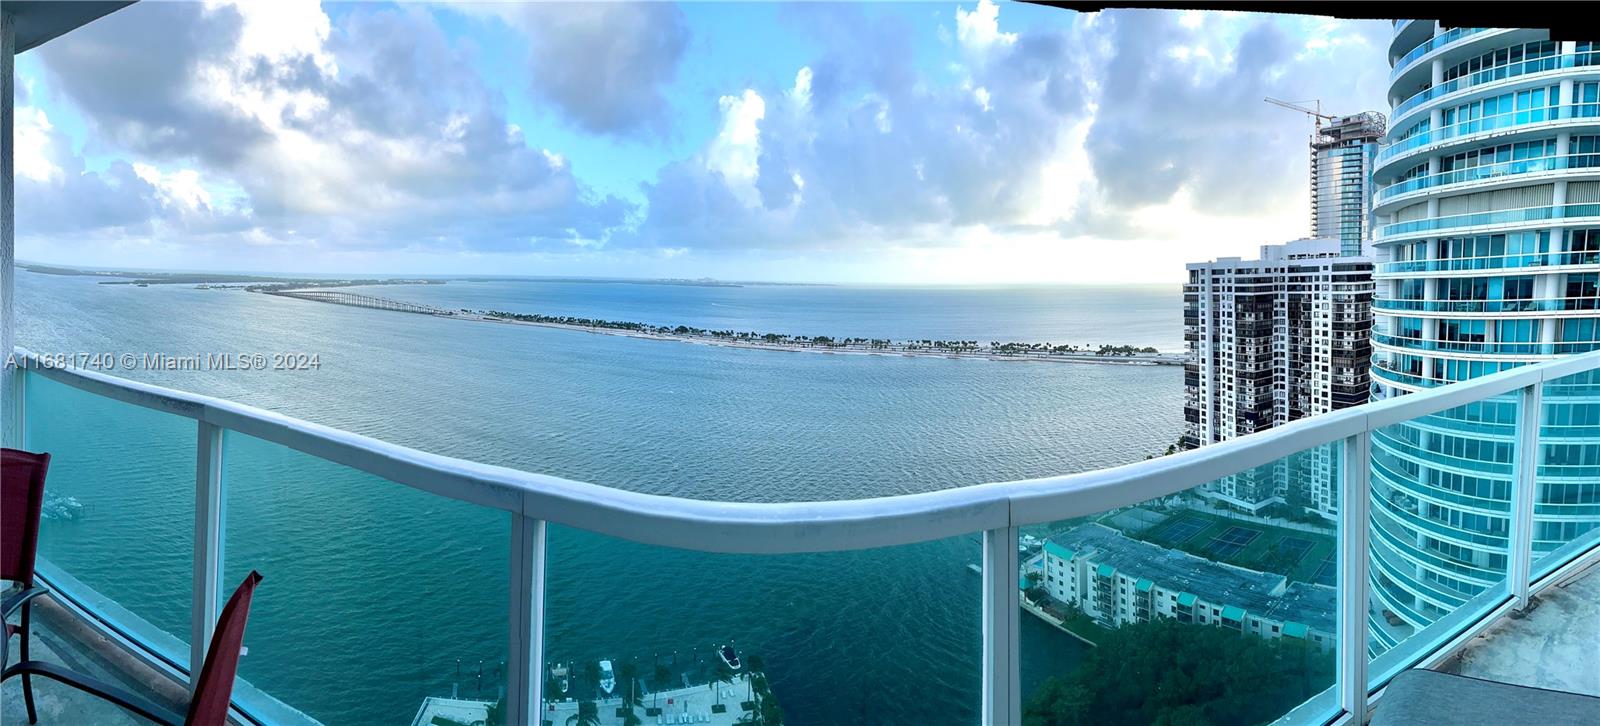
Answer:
(373, 591)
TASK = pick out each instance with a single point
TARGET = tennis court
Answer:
(1326, 574)
(1229, 543)
(1183, 529)
(1293, 548)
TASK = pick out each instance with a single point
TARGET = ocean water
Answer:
(374, 591)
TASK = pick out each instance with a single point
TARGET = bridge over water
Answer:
(361, 301)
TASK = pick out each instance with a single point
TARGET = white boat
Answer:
(729, 656)
(608, 679)
(560, 671)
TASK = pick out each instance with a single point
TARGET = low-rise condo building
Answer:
(1117, 580)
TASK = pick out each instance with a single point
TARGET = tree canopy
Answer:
(1166, 672)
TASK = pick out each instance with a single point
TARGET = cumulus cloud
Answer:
(604, 65)
(57, 194)
(376, 133)
(979, 28)
(867, 153)
(1076, 130)
(272, 125)
(1181, 108)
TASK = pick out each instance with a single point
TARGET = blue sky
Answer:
(895, 142)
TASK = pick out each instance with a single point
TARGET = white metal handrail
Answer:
(996, 509)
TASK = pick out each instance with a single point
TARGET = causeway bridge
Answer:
(361, 301)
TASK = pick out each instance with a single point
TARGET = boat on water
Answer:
(729, 656)
(608, 678)
(560, 673)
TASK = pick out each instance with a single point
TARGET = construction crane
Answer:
(1316, 115)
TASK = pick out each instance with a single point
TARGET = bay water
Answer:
(377, 595)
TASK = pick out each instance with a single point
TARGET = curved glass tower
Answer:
(1486, 210)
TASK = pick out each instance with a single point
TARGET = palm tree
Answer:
(588, 715)
(757, 667)
(662, 675)
(630, 674)
(591, 671)
(724, 675)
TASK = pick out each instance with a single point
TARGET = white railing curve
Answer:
(996, 509)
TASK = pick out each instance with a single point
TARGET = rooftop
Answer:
(1259, 593)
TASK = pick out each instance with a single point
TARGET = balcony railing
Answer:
(1528, 118)
(1485, 348)
(1479, 219)
(229, 458)
(1467, 264)
(1437, 41)
(1490, 75)
(1546, 305)
(1489, 171)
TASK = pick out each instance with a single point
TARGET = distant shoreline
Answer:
(147, 278)
(924, 348)
(1140, 359)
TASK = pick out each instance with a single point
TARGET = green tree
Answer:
(588, 715)
(1166, 672)
(663, 674)
(724, 674)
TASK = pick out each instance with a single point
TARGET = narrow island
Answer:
(992, 350)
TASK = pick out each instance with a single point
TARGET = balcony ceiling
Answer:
(39, 22)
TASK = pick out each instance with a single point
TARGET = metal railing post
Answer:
(1002, 694)
(209, 519)
(16, 407)
(525, 666)
(1354, 490)
(1524, 489)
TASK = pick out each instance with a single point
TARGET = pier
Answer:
(360, 301)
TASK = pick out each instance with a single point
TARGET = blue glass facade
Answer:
(1487, 228)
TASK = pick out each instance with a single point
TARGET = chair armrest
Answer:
(135, 703)
(17, 599)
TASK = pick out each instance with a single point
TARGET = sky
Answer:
(905, 143)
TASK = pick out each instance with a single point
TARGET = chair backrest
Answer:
(214, 690)
(21, 497)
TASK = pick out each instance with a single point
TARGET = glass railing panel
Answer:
(376, 596)
(1489, 171)
(119, 507)
(1437, 41)
(1439, 528)
(1567, 503)
(1239, 571)
(1544, 115)
(885, 636)
(1490, 75)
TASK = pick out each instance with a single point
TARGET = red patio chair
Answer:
(212, 692)
(21, 497)
(20, 503)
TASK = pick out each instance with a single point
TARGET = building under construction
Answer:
(1342, 152)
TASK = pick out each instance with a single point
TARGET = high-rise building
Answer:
(1341, 170)
(1270, 341)
(1487, 237)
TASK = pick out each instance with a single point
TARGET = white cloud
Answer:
(735, 151)
(800, 95)
(180, 190)
(380, 134)
(32, 137)
(979, 29)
